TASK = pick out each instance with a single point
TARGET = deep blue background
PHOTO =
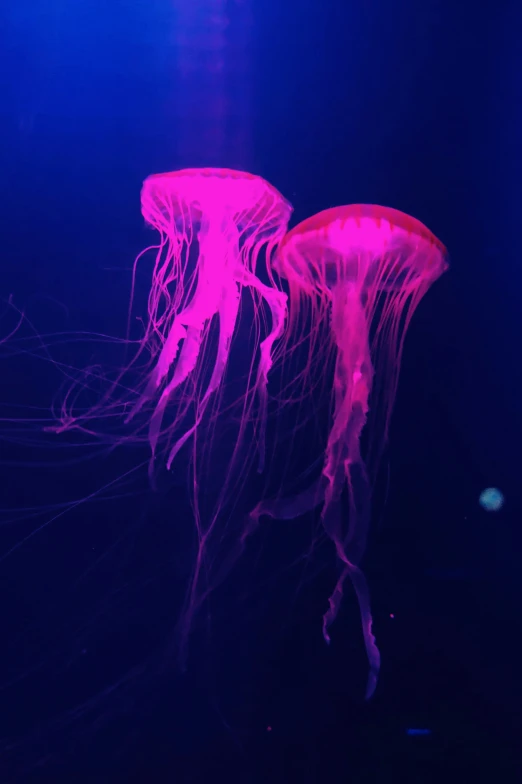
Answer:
(414, 105)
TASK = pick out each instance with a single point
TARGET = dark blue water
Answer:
(412, 105)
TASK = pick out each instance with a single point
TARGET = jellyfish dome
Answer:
(361, 270)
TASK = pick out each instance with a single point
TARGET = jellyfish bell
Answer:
(191, 195)
(363, 244)
(361, 270)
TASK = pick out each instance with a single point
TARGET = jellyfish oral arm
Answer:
(360, 587)
(216, 293)
(344, 465)
(218, 254)
(228, 313)
(214, 267)
(186, 363)
(343, 469)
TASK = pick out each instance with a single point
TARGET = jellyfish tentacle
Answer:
(292, 506)
(277, 302)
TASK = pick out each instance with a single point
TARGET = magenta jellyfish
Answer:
(229, 216)
(360, 270)
(213, 226)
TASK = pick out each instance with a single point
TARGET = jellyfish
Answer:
(231, 215)
(213, 226)
(361, 270)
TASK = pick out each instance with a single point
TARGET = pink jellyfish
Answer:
(213, 225)
(361, 270)
(229, 216)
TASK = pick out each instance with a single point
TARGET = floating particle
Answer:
(491, 499)
(418, 731)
